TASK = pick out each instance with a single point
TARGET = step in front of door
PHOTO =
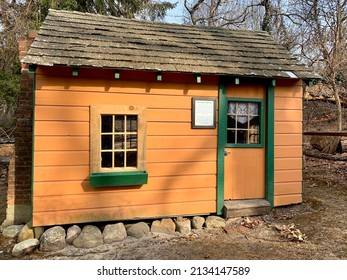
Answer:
(245, 208)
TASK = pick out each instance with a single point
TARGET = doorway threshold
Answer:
(245, 208)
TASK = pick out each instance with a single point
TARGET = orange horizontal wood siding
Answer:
(181, 162)
(288, 142)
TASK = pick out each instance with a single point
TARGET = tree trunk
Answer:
(266, 26)
(338, 106)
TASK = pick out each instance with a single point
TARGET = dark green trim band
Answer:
(270, 142)
(222, 138)
(116, 179)
(32, 70)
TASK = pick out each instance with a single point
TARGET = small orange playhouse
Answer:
(137, 120)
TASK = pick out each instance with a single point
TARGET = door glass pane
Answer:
(253, 109)
(242, 136)
(231, 122)
(231, 136)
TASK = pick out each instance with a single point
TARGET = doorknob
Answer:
(226, 153)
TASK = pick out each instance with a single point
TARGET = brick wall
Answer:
(7, 172)
(4, 162)
(19, 197)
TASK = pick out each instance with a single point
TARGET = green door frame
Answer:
(269, 142)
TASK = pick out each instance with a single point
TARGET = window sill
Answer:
(244, 146)
(115, 179)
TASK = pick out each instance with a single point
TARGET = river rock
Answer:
(198, 222)
(53, 239)
(12, 231)
(138, 230)
(166, 226)
(25, 247)
(215, 222)
(72, 233)
(89, 237)
(183, 225)
(27, 232)
(114, 233)
(38, 231)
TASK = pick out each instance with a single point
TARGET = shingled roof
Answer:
(88, 40)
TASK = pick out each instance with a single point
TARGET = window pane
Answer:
(231, 122)
(119, 123)
(242, 136)
(131, 123)
(106, 159)
(254, 108)
(231, 137)
(254, 122)
(132, 141)
(232, 108)
(106, 142)
(131, 159)
(119, 159)
(253, 136)
(106, 123)
(119, 142)
(242, 108)
(242, 122)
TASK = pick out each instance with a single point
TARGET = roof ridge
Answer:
(142, 21)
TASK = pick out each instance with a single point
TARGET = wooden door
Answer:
(244, 160)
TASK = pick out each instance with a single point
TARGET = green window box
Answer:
(115, 179)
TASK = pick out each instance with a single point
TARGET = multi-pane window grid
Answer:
(119, 137)
(243, 122)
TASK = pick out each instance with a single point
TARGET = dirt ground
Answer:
(315, 229)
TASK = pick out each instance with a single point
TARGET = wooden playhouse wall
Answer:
(288, 142)
(181, 162)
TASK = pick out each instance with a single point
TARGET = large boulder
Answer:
(138, 230)
(183, 225)
(27, 232)
(89, 237)
(114, 233)
(53, 239)
(12, 231)
(215, 222)
(198, 222)
(25, 247)
(72, 233)
(166, 226)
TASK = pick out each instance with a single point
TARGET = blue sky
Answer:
(175, 15)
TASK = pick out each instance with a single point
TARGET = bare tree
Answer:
(323, 42)
(245, 14)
